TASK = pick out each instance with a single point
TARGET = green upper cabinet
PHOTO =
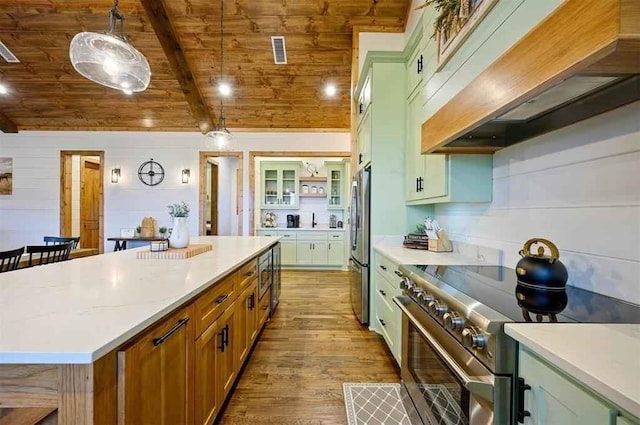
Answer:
(280, 182)
(431, 179)
(336, 184)
(363, 142)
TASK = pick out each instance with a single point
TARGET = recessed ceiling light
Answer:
(330, 90)
(225, 89)
(3, 89)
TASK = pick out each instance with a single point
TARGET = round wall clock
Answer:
(151, 173)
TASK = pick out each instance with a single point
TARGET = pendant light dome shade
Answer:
(109, 59)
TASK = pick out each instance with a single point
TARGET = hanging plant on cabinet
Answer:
(452, 15)
(455, 20)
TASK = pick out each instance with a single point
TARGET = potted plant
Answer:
(180, 234)
(163, 231)
(138, 230)
(451, 16)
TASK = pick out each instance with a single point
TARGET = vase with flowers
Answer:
(180, 234)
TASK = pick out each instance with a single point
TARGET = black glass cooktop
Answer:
(497, 288)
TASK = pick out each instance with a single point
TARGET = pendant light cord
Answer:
(221, 59)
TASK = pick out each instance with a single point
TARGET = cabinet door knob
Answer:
(398, 273)
(382, 322)
(384, 294)
(383, 267)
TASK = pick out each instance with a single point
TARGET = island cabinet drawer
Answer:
(247, 274)
(312, 236)
(336, 236)
(213, 302)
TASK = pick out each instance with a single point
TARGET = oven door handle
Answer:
(482, 388)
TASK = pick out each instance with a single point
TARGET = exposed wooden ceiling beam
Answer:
(161, 23)
(6, 125)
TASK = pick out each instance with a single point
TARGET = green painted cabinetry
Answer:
(279, 185)
(336, 184)
(431, 179)
(555, 398)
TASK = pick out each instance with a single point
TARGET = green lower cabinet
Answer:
(335, 253)
(288, 253)
(554, 398)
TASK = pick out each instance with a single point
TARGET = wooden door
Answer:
(226, 369)
(214, 199)
(155, 384)
(89, 203)
(206, 397)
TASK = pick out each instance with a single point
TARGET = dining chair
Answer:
(45, 254)
(57, 240)
(9, 260)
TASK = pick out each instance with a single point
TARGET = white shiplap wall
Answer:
(33, 209)
(580, 188)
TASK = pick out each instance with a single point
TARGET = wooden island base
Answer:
(178, 370)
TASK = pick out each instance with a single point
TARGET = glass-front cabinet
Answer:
(336, 184)
(280, 185)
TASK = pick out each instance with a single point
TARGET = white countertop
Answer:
(79, 310)
(605, 358)
(392, 248)
(298, 229)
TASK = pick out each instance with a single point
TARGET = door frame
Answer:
(66, 183)
(279, 154)
(214, 199)
(202, 196)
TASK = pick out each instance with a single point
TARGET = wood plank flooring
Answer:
(309, 348)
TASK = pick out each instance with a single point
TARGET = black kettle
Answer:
(539, 270)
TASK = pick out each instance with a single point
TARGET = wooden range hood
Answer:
(582, 60)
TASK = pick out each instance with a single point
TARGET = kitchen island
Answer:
(107, 339)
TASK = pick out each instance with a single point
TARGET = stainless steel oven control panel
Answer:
(451, 315)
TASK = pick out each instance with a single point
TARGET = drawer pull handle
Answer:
(382, 322)
(264, 307)
(252, 301)
(397, 272)
(384, 294)
(522, 387)
(383, 267)
(163, 338)
(221, 298)
(249, 273)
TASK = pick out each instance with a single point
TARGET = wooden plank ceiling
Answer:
(47, 94)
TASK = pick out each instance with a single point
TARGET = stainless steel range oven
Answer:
(458, 365)
(445, 383)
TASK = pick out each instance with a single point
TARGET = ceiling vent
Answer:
(279, 50)
(7, 54)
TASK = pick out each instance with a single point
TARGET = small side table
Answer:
(121, 243)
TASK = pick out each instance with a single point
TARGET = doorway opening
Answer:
(82, 197)
(221, 193)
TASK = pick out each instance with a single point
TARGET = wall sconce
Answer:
(115, 175)
(186, 173)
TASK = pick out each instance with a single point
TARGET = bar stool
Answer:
(57, 240)
(46, 254)
(9, 260)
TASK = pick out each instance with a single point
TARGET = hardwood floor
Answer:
(311, 346)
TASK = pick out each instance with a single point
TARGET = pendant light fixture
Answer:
(109, 58)
(221, 134)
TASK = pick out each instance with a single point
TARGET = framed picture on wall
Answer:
(6, 176)
(127, 233)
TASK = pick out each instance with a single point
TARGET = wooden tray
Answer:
(174, 253)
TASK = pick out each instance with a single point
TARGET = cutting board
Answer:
(174, 253)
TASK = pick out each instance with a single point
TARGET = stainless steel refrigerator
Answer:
(359, 259)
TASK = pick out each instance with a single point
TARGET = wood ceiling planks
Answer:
(47, 93)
